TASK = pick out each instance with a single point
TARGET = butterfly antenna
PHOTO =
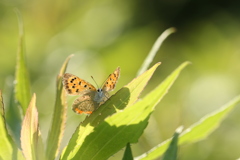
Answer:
(95, 82)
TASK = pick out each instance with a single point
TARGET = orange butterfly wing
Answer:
(111, 81)
(75, 85)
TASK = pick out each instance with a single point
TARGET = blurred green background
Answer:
(105, 34)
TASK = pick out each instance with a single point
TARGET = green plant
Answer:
(116, 124)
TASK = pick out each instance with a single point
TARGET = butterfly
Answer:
(90, 97)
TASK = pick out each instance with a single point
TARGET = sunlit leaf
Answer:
(124, 127)
(31, 141)
(124, 98)
(198, 131)
(59, 117)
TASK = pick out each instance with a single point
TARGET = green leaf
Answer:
(128, 153)
(125, 97)
(31, 141)
(59, 117)
(2, 106)
(198, 131)
(8, 150)
(155, 49)
(20, 93)
(22, 82)
(171, 152)
(124, 127)
(6, 144)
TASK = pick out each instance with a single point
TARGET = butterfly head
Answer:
(99, 96)
(99, 90)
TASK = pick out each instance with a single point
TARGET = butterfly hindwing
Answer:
(84, 104)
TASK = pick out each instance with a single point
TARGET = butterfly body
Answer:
(100, 96)
(90, 97)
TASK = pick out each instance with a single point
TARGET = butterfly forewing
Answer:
(75, 85)
(111, 81)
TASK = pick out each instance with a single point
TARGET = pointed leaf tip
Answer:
(64, 66)
(171, 152)
(59, 116)
(128, 153)
(156, 46)
(22, 85)
(30, 134)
